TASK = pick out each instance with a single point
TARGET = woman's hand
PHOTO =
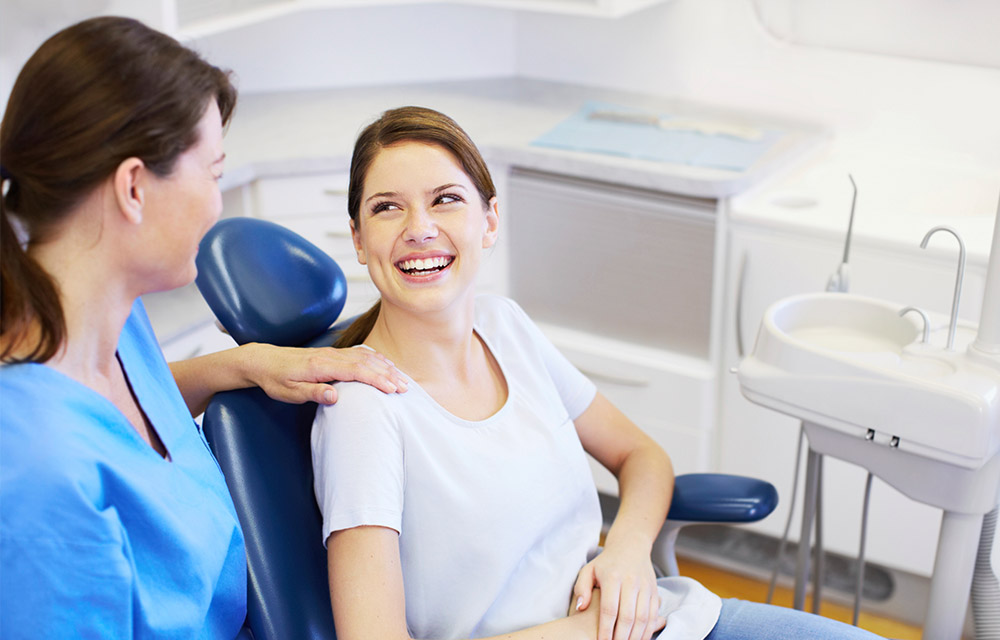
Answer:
(629, 603)
(297, 375)
(286, 374)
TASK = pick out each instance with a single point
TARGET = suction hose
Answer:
(985, 588)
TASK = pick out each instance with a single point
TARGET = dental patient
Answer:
(466, 508)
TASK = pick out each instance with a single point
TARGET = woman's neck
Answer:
(425, 345)
(95, 301)
(444, 355)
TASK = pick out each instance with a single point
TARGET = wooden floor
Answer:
(729, 585)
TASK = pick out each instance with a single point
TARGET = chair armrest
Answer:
(718, 497)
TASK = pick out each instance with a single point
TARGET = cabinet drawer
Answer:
(297, 195)
(648, 385)
(669, 396)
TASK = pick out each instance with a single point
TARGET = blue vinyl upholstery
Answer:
(267, 284)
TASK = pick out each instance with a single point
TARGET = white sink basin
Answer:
(852, 364)
(844, 323)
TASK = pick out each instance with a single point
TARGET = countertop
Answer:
(901, 196)
(311, 130)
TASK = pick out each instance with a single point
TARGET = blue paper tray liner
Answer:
(648, 142)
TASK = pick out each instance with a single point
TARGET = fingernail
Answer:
(579, 603)
(328, 396)
(402, 386)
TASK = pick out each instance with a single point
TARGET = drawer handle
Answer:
(335, 192)
(619, 380)
(357, 278)
(338, 234)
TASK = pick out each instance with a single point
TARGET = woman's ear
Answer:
(492, 227)
(356, 238)
(128, 189)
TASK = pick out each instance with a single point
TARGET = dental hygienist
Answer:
(115, 521)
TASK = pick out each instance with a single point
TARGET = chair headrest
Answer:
(266, 283)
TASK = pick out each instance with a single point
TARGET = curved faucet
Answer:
(958, 279)
(927, 323)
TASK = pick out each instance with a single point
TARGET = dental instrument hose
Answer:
(859, 584)
(985, 588)
(839, 282)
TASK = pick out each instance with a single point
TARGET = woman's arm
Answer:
(366, 589)
(287, 374)
(624, 571)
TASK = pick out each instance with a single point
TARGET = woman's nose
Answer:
(420, 226)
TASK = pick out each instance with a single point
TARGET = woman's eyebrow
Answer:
(450, 185)
(380, 194)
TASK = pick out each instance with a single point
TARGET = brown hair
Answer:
(93, 95)
(408, 124)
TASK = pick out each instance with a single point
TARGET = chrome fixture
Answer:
(958, 279)
(927, 323)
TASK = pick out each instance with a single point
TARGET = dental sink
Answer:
(916, 408)
(853, 365)
(844, 323)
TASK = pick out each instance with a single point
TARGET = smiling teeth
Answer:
(426, 264)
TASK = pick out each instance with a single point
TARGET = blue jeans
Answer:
(742, 620)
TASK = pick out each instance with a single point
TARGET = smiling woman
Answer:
(467, 508)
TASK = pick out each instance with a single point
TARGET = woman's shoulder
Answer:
(360, 403)
(497, 310)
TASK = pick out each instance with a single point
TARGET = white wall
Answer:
(367, 46)
(712, 51)
(25, 24)
(715, 51)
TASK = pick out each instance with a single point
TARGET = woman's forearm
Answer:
(200, 378)
(645, 488)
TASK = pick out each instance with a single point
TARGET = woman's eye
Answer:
(383, 206)
(448, 198)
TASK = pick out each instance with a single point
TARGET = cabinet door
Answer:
(765, 266)
(614, 261)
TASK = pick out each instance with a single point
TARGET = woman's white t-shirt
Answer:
(495, 517)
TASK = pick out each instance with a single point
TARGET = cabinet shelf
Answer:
(195, 19)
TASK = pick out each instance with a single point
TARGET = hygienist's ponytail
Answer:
(26, 293)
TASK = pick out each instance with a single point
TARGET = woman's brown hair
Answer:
(93, 95)
(407, 124)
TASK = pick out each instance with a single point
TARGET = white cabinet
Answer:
(620, 280)
(767, 265)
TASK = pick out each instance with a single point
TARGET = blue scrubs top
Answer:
(100, 537)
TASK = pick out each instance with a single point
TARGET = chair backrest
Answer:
(255, 276)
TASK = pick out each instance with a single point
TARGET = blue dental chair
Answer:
(266, 284)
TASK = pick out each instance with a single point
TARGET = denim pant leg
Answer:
(742, 620)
